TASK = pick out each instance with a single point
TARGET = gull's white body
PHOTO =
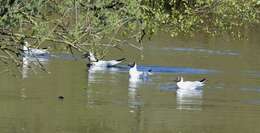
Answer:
(135, 74)
(189, 84)
(101, 63)
(33, 52)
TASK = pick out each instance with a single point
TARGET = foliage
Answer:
(209, 16)
(100, 24)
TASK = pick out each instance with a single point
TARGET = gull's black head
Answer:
(22, 43)
(86, 55)
(132, 65)
(203, 80)
(178, 79)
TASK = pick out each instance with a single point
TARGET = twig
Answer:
(11, 56)
(35, 37)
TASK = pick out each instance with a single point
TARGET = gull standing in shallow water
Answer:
(93, 61)
(181, 84)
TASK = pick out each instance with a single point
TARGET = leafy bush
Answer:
(99, 24)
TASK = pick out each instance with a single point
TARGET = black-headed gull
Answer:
(93, 61)
(134, 73)
(181, 84)
(27, 51)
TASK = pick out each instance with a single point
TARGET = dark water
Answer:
(98, 101)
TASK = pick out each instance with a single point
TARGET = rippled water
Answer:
(106, 100)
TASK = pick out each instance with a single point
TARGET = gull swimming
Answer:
(93, 61)
(27, 51)
(134, 73)
(181, 84)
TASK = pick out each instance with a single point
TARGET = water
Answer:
(98, 101)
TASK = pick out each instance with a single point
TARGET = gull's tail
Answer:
(203, 80)
(121, 59)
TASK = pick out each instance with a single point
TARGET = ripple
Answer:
(253, 73)
(157, 69)
(201, 50)
(251, 89)
(65, 56)
(252, 101)
(170, 87)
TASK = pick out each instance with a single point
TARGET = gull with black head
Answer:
(28, 51)
(94, 61)
(134, 73)
(181, 84)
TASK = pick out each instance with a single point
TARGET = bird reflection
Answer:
(189, 99)
(31, 63)
(98, 75)
(134, 100)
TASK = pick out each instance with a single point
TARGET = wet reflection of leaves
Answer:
(32, 63)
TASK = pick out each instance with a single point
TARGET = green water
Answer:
(107, 102)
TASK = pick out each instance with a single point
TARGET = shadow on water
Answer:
(119, 68)
(160, 69)
(183, 70)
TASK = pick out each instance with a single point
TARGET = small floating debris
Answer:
(61, 97)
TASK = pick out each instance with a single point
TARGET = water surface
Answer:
(98, 101)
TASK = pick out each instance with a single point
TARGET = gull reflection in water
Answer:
(31, 63)
(189, 99)
(134, 99)
(98, 75)
(135, 102)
